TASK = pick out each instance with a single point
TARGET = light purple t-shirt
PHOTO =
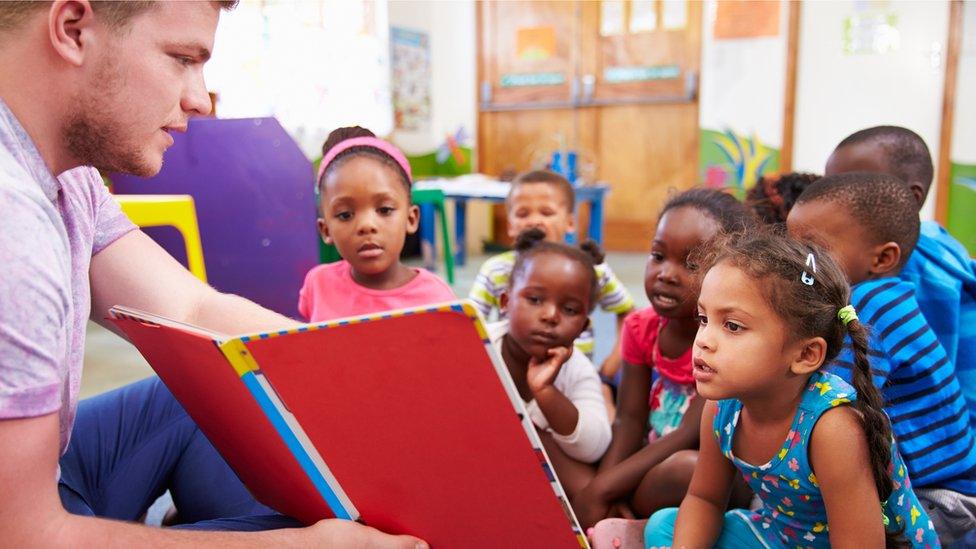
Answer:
(49, 230)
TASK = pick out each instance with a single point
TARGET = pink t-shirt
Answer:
(330, 292)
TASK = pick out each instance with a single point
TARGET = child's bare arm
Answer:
(702, 512)
(621, 479)
(560, 412)
(841, 461)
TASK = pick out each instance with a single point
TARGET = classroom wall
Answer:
(962, 194)
(451, 30)
(741, 95)
(450, 27)
(840, 92)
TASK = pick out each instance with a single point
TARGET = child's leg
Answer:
(665, 485)
(737, 532)
(573, 475)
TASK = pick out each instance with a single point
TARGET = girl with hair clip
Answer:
(552, 290)
(817, 452)
(363, 187)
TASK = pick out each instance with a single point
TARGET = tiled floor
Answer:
(111, 362)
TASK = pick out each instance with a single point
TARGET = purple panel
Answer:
(253, 189)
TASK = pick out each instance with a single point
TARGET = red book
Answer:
(407, 421)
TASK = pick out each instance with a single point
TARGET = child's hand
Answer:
(540, 375)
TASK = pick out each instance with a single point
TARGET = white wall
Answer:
(314, 65)
(743, 81)
(838, 93)
(451, 28)
(964, 126)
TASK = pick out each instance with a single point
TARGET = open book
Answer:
(407, 421)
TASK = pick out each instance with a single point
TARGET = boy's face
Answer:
(868, 157)
(831, 225)
(541, 206)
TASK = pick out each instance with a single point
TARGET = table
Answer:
(481, 187)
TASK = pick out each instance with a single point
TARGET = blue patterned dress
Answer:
(793, 512)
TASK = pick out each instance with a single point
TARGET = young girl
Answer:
(817, 452)
(551, 293)
(364, 190)
(645, 468)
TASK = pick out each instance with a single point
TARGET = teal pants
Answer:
(737, 531)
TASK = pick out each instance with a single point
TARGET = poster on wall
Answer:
(746, 19)
(410, 60)
(871, 29)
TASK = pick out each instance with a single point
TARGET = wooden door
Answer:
(626, 102)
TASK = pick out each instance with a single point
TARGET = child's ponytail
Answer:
(870, 404)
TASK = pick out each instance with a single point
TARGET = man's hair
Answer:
(904, 152)
(117, 14)
(546, 177)
(884, 206)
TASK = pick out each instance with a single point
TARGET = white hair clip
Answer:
(812, 263)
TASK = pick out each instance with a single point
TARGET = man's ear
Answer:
(324, 231)
(70, 24)
(886, 258)
(809, 356)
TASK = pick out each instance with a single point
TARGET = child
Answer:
(645, 468)
(817, 453)
(940, 267)
(364, 189)
(545, 200)
(871, 222)
(771, 198)
(552, 289)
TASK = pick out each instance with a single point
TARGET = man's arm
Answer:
(136, 272)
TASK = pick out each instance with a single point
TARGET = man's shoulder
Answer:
(25, 206)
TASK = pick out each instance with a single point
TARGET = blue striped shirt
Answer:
(922, 395)
(945, 286)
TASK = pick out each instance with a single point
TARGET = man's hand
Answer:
(346, 533)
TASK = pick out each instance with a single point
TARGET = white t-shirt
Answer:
(577, 380)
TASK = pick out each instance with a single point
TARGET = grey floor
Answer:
(112, 362)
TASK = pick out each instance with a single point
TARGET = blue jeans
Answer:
(130, 445)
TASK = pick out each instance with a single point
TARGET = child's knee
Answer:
(659, 531)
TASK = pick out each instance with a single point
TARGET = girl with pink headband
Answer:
(365, 210)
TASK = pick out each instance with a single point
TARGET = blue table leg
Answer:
(428, 243)
(460, 222)
(596, 220)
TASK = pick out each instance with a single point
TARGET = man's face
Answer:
(146, 81)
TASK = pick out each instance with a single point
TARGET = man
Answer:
(103, 84)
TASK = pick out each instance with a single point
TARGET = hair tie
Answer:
(846, 314)
(373, 142)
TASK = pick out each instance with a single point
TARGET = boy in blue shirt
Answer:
(869, 221)
(942, 271)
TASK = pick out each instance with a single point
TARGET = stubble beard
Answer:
(94, 134)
